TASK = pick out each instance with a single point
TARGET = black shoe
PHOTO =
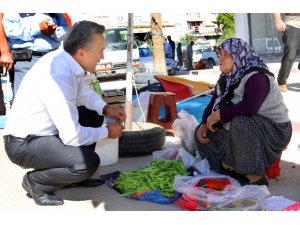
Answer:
(243, 180)
(39, 197)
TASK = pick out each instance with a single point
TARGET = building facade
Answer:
(259, 30)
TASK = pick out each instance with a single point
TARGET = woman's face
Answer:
(226, 61)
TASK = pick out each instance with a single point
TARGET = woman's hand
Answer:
(114, 112)
(201, 134)
(213, 119)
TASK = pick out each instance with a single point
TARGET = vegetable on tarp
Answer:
(158, 175)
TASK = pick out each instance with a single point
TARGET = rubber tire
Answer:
(141, 142)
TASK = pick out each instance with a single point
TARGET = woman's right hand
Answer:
(114, 130)
(201, 134)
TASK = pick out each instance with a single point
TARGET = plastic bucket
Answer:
(108, 151)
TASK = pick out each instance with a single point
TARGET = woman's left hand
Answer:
(213, 119)
(116, 113)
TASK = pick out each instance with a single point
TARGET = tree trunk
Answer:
(159, 61)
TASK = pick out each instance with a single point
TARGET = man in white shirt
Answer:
(43, 130)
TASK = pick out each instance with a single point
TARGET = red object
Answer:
(274, 170)
(214, 183)
(68, 19)
(156, 101)
(181, 91)
(294, 207)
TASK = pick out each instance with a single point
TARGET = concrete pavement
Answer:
(103, 198)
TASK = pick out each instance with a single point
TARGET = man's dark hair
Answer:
(81, 35)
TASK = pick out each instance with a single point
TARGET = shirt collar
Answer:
(76, 69)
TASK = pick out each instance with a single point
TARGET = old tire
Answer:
(142, 140)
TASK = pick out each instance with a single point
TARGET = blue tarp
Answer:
(193, 107)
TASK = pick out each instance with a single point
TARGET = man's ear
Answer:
(80, 52)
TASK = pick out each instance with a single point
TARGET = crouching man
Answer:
(45, 129)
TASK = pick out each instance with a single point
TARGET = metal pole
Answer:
(129, 73)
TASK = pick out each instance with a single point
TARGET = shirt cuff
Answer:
(103, 133)
(35, 30)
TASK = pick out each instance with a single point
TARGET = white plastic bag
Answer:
(232, 197)
(169, 152)
(184, 128)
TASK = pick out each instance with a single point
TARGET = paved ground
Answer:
(13, 198)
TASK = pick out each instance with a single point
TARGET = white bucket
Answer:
(108, 151)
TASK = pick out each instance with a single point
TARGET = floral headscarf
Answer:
(244, 58)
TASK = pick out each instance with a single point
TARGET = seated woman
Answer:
(246, 125)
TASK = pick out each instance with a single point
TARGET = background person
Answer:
(246, 125)
(189, 55)
(45, 130)
(5, 61)
(145, 44)
(168, 49)
(33, 34)
(291, 41)
(172, 43)
(179, 56)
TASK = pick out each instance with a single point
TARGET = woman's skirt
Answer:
(250, 145)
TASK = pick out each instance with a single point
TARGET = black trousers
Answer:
(55, 164)
(291, 40)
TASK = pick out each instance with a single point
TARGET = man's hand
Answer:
(114, 130)
(280, 25)
(6, 60)
(115, 112)
(201, 134)
(213, 119)
(47, 28)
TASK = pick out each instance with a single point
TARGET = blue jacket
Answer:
(23, 32)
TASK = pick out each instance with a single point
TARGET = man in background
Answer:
(5, 61)
(291, 40)
(31, 36)
(172, 43)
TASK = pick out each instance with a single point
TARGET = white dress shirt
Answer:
(45, 103)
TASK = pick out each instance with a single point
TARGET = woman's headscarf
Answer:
(244, 58)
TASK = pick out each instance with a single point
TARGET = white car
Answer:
(146, 62)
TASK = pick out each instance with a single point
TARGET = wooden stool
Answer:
(166, 99)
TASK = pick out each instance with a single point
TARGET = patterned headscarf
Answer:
(244, 58)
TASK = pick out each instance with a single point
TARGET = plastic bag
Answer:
(232, 197)
(169, 152)
(184, 128)
(175, 152)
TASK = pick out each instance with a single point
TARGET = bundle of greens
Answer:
(159, 174)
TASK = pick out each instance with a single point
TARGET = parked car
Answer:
(207, 56)
(114, 64)
(146, 62)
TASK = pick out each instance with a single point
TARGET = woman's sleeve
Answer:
(256, 90)
(208, 109)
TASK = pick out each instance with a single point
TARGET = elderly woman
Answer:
(246, 125)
